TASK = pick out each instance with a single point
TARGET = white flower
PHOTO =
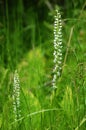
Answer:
(59, 43)
(58, 73)
(59, 62)
(60, 58)
(16, 95)
(59, 50)
(57, 47)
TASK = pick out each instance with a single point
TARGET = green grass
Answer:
(26, 44)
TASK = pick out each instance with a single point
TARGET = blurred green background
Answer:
(26, 44)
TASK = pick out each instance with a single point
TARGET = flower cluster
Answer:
(16, 96)
(57, 48)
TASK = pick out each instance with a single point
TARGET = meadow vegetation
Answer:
(26, 45)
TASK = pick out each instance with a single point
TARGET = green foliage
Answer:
(26, 44)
